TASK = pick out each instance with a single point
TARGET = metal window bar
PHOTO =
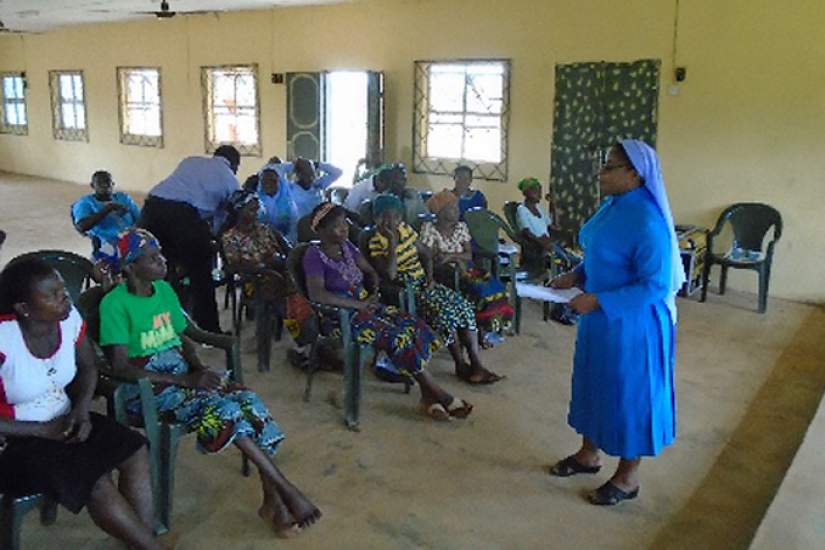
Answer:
(60, 129)
(209, 76)
(131, 108)
(422, 163)
(13, 114)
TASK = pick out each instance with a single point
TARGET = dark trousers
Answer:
(187, 242)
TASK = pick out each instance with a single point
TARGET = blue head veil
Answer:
(646, 163)
(280, 210)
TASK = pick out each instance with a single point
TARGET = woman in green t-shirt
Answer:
(142, 329)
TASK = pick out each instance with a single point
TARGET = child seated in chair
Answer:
(142, 330)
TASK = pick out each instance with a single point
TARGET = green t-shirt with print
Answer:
(145, 324)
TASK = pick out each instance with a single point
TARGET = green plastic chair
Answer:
(391, 294)
(74, 268)
(354, 355)
(13, 509)
(750, 222)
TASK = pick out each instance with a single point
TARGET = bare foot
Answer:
(280, 519)
(304, 511)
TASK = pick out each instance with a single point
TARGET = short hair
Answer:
(229, 153)
(17, 281)
(463, 168)
(101, 174)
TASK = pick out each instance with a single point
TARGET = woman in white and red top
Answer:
(53, 444)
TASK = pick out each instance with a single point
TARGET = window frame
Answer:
(59, 131)
(210, 143)
(13, 129)
(126, 138)
(422, 164)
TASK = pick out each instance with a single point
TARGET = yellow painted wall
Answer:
(746, 125)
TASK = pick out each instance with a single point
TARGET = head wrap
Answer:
(320, 213)
(107, 253)
(280, 210)
(384, 202)
(239, 199)
(132, 244)
(646, 163)
(441, 200)
(528, 183)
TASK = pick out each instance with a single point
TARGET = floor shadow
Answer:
(728, 507)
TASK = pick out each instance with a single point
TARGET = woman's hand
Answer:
(54, 430)
(565, 280)
(203, 379)
(585, 303)
(77, 426)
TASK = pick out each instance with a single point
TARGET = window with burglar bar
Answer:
(461, 117)
(14, 116)
(231, 111)
(140, 106)
(68, 106)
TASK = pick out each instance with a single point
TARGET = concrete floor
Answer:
(747, 384)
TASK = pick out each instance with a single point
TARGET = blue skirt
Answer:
(623, 397)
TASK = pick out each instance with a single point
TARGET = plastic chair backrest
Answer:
(750, 222)
(74, 268)
(510, 208)
(305, 232)
(425, 195)
(483, 229)
(295, 265)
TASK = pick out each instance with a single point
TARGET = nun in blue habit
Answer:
(278, 209)
(623, 399)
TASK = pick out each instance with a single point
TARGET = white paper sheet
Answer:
(546, 294)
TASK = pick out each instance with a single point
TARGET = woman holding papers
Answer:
(623, 401)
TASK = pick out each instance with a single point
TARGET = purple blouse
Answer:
(340, 276)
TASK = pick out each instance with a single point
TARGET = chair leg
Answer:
(10, 523)
(545, 311)
(169, 442)
(705, 278)
(764, 278)
(723, 279)
(48, 511)
(517, 319)
(352, 375)
(313, 367)
(263, 333)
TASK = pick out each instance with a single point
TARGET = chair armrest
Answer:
(222, 341)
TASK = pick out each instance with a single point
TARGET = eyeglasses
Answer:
(611, 167)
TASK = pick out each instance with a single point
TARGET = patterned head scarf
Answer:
(442, 200)
(239, 199)
(132, 244)
(384, 202)
(646, 162)
(528, 183)
(321, 212)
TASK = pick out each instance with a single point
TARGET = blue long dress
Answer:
(623, 398)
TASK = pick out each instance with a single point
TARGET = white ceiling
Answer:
(42, 15)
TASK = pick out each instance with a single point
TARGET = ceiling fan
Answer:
(166, 12)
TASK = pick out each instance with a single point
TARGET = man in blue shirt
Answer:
(185, 212)
(103, 214)
(307, 187)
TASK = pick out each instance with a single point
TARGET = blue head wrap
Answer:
(646, 163)
(385, 202)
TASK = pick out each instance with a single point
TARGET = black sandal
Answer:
(570, 467)
(610, 495)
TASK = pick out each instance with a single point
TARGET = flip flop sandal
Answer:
(570, 467)
(459, 408)
(488, 378)
(436, 411)
(610, 495)
(289, 532)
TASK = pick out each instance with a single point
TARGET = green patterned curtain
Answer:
(596, 105)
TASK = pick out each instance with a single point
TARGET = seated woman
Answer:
(279, 210)
(335, 272)
(53, 444)
(467, 196)
(534, 225)
(395, 250)
(142, 327)
(254, 248)
(449, 241)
